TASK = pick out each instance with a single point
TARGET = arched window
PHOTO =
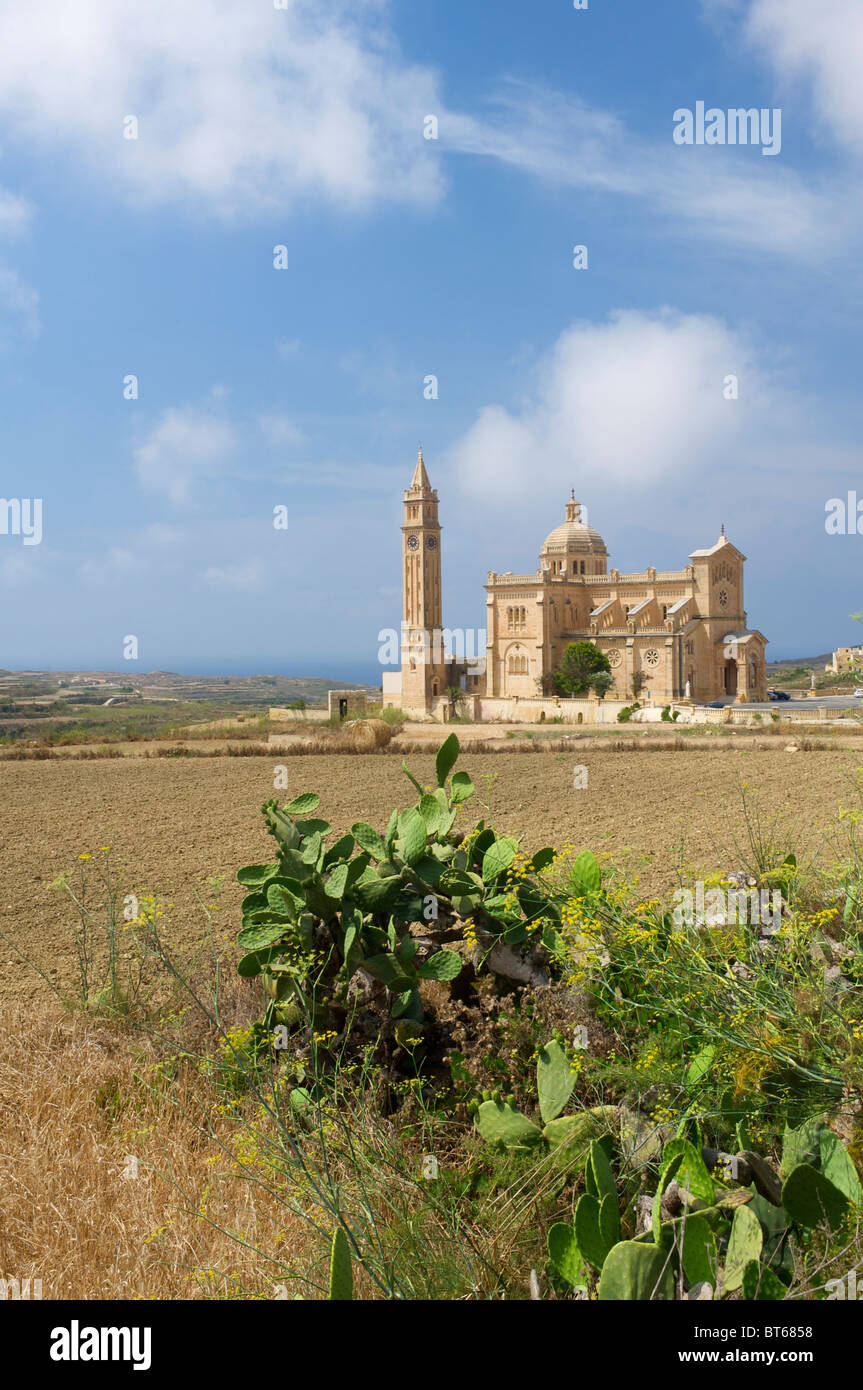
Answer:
(582, 567)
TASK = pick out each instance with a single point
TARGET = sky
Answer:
(167, 381)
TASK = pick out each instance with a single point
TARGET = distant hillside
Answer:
(169, 685)
(790, 664)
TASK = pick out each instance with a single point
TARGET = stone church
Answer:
(684, 630)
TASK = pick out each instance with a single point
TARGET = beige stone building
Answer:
(684, 630)
(845, 659)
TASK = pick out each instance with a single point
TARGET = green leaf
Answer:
(335, 884)
(430, 811)
(444, 965)
(340, 851)
(541, 859)
(281, 899)
(252, 902)
(601, 1177)
(391, 972)
(759, 1282)
(585, 874)
(313, 827)
(413, 834)
(254, 963)
(303, 805)
(802, 1145)
(368, 839)
(407, 949)
(461, 787)
(691, 1171)
(407, 772)
(501, 1124)
(555, 1080)
(573, 1133)
(390, 832)
(311, 852)
(744, 1245)
(498, 858)
(636, 1273)
(810, 1198)
(447, 756)
(341, 1271)
(455, 882)
(699, 1067)
(838, 1168)
(256, 875)
(699, 1251)
(376, 894)
(256, 937)
(565, 1255)
(408, 1006)
(609, 1220)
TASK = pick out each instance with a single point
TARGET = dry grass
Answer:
(226, 1202)
(71, 1113)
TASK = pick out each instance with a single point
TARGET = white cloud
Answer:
(823, 43)
(187, 445)
(238, 103)
(629, 401)
(717, 192)
(245, 578)
(15, 213)
(117, 562)
(19, 303)
(280, 430)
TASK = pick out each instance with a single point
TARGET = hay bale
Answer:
(370, 733)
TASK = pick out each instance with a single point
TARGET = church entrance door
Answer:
(731, 677)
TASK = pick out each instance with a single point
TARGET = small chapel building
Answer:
(684, 630)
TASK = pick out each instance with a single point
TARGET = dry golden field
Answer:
(174, 823)
(72, 1104)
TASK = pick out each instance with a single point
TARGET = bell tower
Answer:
(423, 666)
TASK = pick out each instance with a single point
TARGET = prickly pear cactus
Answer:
(500, 1123)
(810, 1198)
(341, 1268)
(555, 1080)
(637, 1273)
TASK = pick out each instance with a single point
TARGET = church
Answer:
(681, 635)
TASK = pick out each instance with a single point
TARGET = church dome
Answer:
(573, 536)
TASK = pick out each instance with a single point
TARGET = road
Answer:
(821, 701)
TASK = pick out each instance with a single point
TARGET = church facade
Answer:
(679, 634)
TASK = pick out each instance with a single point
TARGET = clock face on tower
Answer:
(431, 542)
(413, 542)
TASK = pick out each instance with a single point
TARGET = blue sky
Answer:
(303, 387)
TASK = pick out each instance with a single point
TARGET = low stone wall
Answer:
(495, 709)
(301, 716)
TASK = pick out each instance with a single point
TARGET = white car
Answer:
(858, 693)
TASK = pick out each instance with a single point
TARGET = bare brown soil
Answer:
(172, 824)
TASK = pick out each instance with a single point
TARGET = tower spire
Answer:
(420, 480)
